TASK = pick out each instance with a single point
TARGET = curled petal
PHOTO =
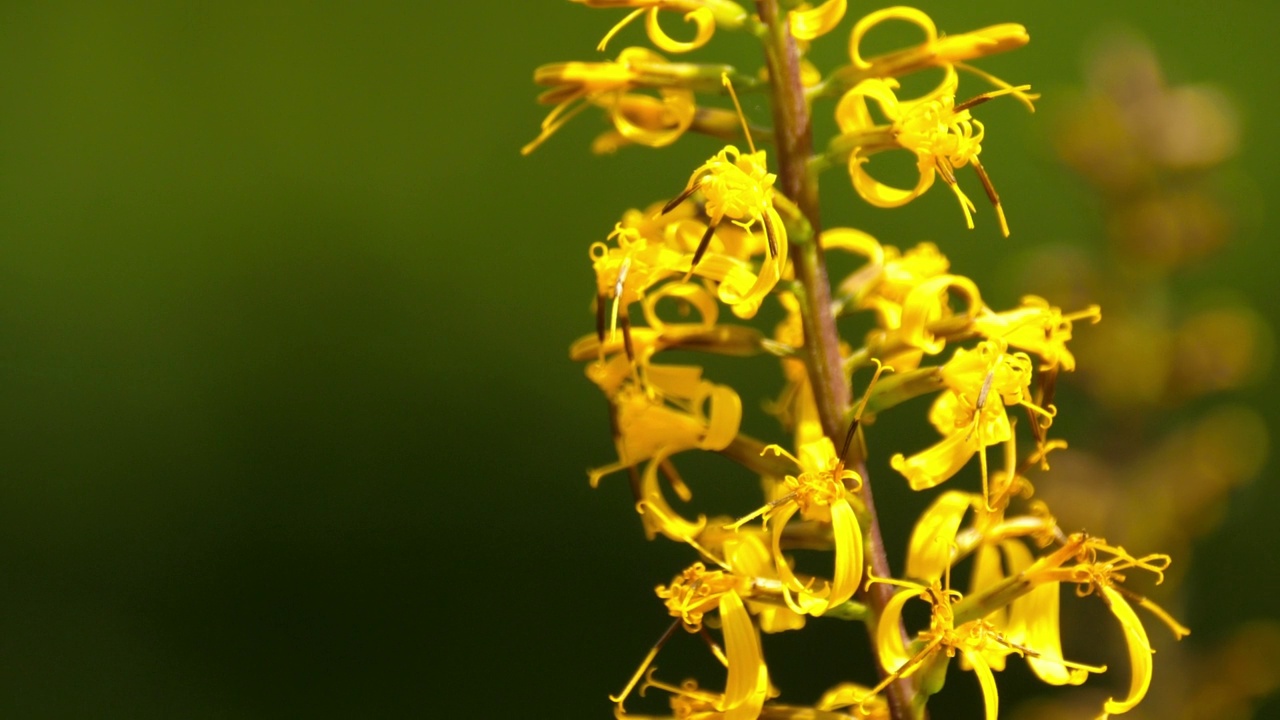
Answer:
(742, 290)
(739, 288)
(694, 296)
(680, 381)
(892, 652)
(646, 427)
(818, 21)
(1139, 653)
(911, 15)
(654, 122)
(1039, 611)
(1034, 624)
(702, 17)
(929, 553)
(724, 419)
(938, 463)
(854, 241)
(887, 196)
(979, 43)
(852, 113)
(800, 598)
(657, 515)
(928, 302)
(747, 554)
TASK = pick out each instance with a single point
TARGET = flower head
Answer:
(690, 596)
(820, 493)
(938, 130)
(975, 641)
(739, 187)
(971, 414)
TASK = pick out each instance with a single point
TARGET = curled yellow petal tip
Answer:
(811, 23)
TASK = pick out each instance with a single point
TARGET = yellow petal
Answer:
(990, 698)
(938, 463)
(724, 418)
(1139, 653)
(1039, 616)
(854, 241)
(852, 114)
(741, 289)
(815, 22)
(702, 17)
(657, 515)
(930, 301)
(987, 571)
(863, 26)
(979, 43)
(747, 686)
(799, 598)
(929, 552)
(849, 556)
(893, 654)
(653, 122)
(745, 552)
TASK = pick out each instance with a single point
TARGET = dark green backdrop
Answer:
(288, 423)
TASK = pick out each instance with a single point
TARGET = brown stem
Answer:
(794, 143)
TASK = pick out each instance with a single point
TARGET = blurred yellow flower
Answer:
(642, 119)
(808, 23)
(1037, 327)
(936, 50)
(704, 14)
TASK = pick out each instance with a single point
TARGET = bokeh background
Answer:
(289, 427)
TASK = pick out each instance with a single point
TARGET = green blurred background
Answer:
(290, 428)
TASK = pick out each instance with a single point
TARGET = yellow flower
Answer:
(819, 494)
(1037, 327)
(705, 14)
(624, 273)
(936, 51)
(642, 119)
(1032, 619)
(975, 641)
(692, 595)
(663, 418)
(1101, 568)
(739, 187)
(970, 414)
(937, 129)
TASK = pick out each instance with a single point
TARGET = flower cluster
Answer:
(743, 231)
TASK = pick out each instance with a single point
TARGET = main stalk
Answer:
(793, 131)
